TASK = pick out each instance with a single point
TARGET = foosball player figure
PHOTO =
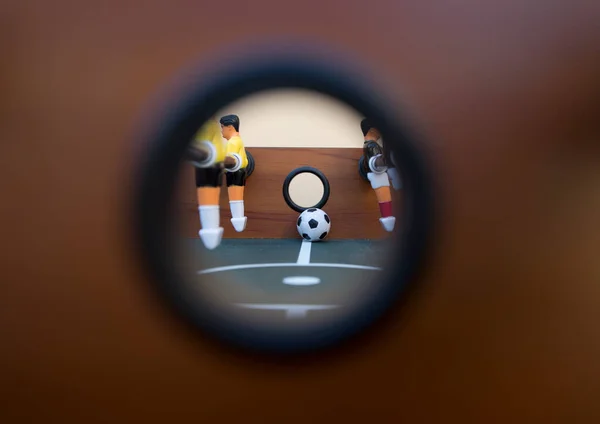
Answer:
(236, 175)
(377, 173)
(207, 154)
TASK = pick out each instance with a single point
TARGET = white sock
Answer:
(237, 208)
(209, 216)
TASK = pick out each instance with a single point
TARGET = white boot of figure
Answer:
(238, 219)
(211, 233)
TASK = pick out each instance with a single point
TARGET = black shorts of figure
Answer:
(209, 177)
(237, 178)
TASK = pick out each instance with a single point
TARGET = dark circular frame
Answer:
(164, 151)
(303, 170)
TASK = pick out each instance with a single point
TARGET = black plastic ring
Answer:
(251, 164)
(302, 170)
(361, 170)
(164, 153)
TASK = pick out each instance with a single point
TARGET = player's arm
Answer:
(207, 148)
(233, 158)
(374, 157)
(201, 156)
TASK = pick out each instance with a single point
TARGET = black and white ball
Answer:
(313, 224)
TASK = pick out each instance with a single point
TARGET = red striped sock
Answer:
(385, 208)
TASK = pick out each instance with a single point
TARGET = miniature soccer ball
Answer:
(313, 224)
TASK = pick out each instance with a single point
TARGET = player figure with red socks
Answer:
(379, 172)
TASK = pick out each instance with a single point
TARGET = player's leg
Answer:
(394, 177)
(236, 182)
(392, 172)
(381, 185)
(208, 189)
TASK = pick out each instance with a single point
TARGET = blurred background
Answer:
(296, 118)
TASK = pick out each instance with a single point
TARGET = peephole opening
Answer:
(288, 212)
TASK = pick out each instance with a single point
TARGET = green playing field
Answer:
(290, 278)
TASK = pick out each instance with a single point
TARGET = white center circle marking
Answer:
(301, 281)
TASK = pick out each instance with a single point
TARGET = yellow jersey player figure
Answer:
(235, 176)
(207, 154)
(376, 165)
